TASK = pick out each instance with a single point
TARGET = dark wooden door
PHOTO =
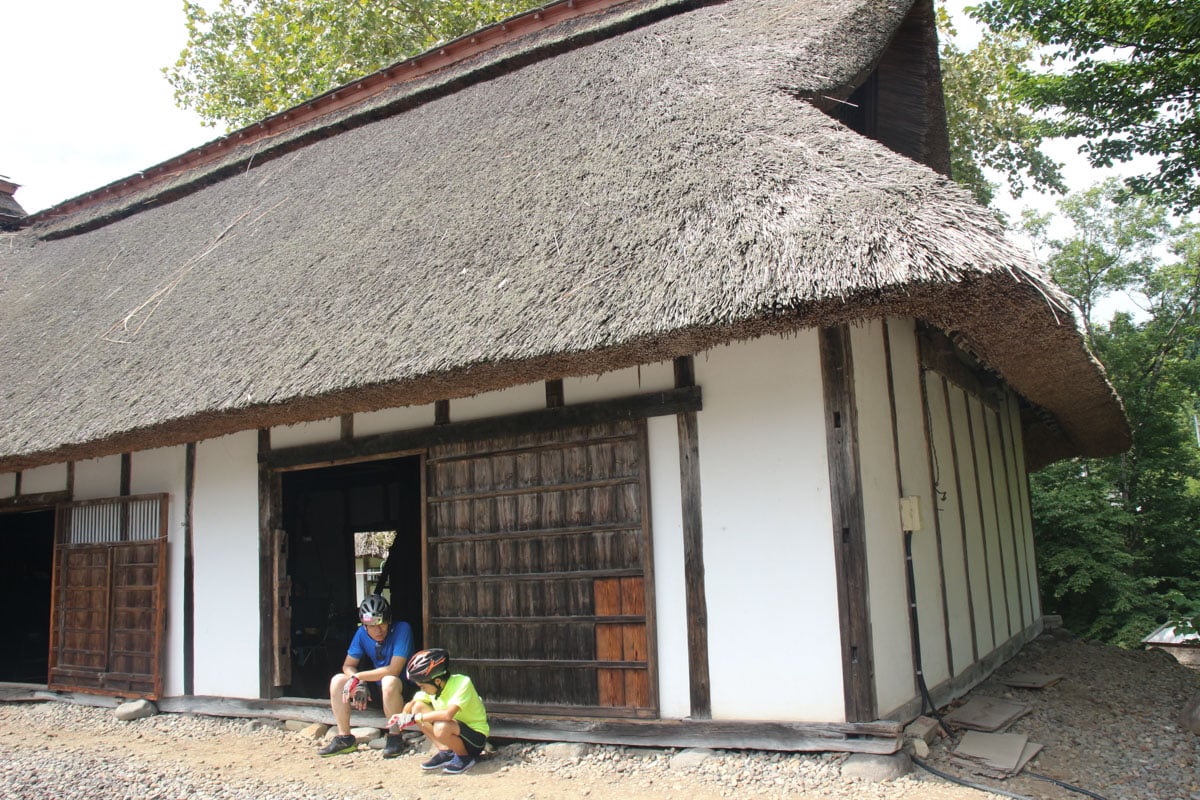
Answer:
(539, 569)
(109, 594)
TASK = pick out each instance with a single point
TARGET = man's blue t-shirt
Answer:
(398, 642)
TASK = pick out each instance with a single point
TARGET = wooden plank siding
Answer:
(108, 612)
(539, 568)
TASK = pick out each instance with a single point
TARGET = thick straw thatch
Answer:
(652, 191)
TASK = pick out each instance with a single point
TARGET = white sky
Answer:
(85, 102)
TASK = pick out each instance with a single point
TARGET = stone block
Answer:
(877, 768)
(924, 728)
(690, 759)
(135, 709)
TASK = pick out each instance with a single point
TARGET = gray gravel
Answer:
(1109, 727)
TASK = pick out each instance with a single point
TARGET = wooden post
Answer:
(189, 571)
(849, 540)
(693, 548)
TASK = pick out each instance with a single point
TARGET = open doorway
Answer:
(26, 563)
(352, 530)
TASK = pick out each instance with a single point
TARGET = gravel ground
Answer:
(1109, 726)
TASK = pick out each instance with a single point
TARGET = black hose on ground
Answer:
(969, 784)
(927, 701)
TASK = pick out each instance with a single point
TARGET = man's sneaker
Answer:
(439, 759)
(459, 765)
(338, 745)
(394, 746)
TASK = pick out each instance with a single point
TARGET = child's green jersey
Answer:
(459, 691)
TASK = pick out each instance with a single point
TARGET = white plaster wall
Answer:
(768, 542)
(97, 477)
(991, 525)
(8, 484)
(151, 472)
(914, 481)
(323, 430)
(50, 478)
(393, 419)
(895, 682)
(225, 552)
(1012, 479)
(978, 575)
(1025, 515)
(1009, 557)
(527, 397)
(950, 523)
(622, 383)
(670, 589)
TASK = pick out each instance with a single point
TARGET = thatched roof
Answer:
(618, 191)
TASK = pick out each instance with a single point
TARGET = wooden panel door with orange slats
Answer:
(109, 596)
(539, 569)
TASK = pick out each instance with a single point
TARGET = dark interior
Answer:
(322, 510)
(27, 548)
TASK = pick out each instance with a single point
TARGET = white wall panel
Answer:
(151, 472)
(622, 383)
(891, 643)
(1008, 550)
(1024, 512)
(50, 478)
(8, 484)
(991, 524)
(950, 521)
(670, 589)
(324, 430)
(393, 419)
(978, 573)
(527, 397)
(914, 475)
(768, 541)
(97, 477)
(226, 558)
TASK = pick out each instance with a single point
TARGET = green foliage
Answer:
(1119, 539)
(989, 128)
(1122, 74)
(248, 59)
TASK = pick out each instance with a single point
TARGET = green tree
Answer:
(248, 59)
(1119, 539)
(1123, 75)
(989, 127)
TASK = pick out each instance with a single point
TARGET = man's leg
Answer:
(341, 709)
(343, 741)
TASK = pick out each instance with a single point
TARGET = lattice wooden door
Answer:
(109, 596)
(539, 568)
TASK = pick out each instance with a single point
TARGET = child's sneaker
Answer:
(458, 765)
(439, 759)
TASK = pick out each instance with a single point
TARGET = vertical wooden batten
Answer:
(265, 561)
(555, 397)
(126, 473)
(891, 393)
(850, 558)
(189, 570)
(693, 549)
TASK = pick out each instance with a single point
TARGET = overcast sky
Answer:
(84, 99)
(85, 102)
